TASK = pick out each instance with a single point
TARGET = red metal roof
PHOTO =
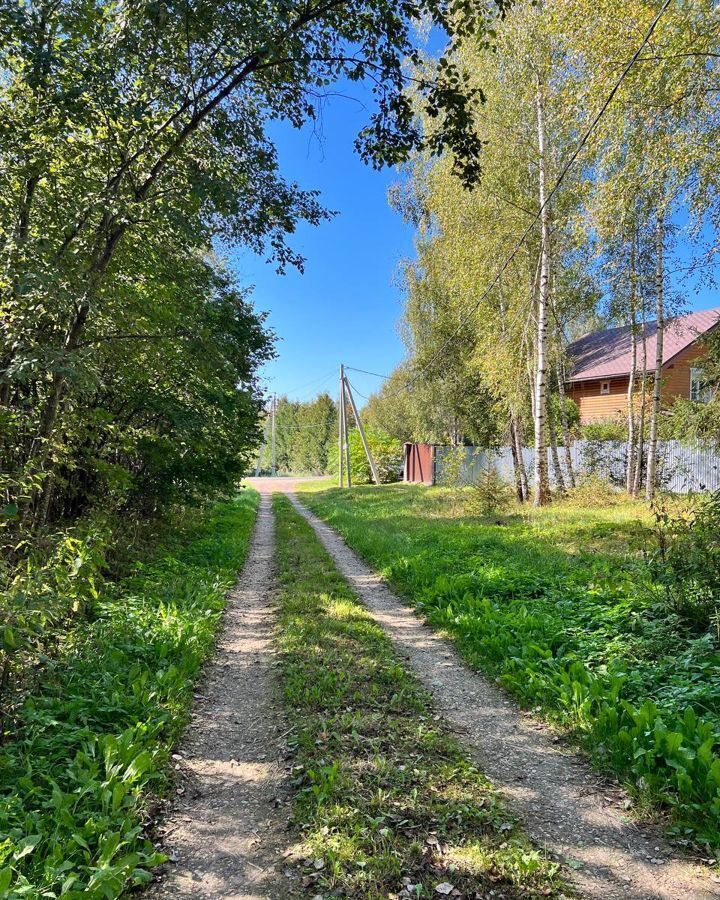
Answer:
(607, 354)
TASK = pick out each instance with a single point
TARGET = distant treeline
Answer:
(305, 436)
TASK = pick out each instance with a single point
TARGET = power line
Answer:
(301, 427)
(528, 231)
(364, 396)
(365, 372)
(313, 381)
(317, 389)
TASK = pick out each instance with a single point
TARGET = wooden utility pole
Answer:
(346, 442)
(262, 448)
(340, 430)
(373, 467)
(274, 407)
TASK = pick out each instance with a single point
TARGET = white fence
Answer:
(681, 468)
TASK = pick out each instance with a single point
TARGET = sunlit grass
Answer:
(384, 791)
(557, 604)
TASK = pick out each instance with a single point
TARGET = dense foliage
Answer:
(568, 613)
(305, 435)
(306, 441)
(88, 746)
(387, 452)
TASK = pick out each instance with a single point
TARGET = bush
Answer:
(386, 450)
(454, 468)
(44, 596)
(594, 491)
(684, 560)
(606, 430)
(571, 409)
(691, 422)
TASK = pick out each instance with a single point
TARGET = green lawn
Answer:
(385, 797)
(89, 747)
(555, 604)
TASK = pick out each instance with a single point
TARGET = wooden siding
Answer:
(595, 407)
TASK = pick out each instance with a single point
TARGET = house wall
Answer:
(595, 406)
(676, 380)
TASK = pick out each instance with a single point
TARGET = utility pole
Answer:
(343, 410)
(340, 427)
(373, 467)
(274, 407)
(262, 448)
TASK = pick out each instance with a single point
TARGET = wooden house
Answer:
(601, 362)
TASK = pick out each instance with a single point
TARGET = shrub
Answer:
(454, 468)
(684, 559)
(42, 597)
(386, 450)
(571, 409)
(691, 422)
(489, 494)
(606, 430)
(594, 491)
(454, 478)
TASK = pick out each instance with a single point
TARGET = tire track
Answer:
(226, 833)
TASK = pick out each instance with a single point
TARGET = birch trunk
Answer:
(630, 471)
(542, 488)
(640, 451)
(516, 461)
(567, 443)
(657, 378)
(519, 462)
(557, 468)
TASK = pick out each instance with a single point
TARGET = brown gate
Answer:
(419, 464)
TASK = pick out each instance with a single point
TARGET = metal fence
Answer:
(682, 468)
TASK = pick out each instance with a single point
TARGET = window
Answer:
(604, 387)
(700, 391)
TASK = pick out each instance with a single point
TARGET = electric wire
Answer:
(365, 372)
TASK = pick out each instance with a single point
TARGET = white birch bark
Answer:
(657, 379)
(542, 488)
(630, 470)
(640, 451)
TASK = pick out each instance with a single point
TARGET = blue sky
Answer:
(346, 305)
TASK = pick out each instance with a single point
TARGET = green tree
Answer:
(316, 435)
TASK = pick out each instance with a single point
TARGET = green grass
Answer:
(385, 797)
(555, 604)
(90, 745)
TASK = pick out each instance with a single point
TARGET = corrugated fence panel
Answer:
(681, 468)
